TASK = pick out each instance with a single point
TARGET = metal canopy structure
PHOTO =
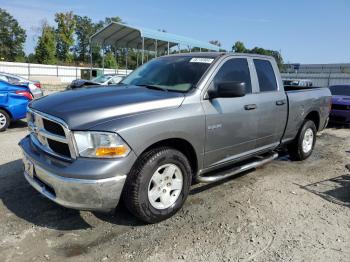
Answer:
(126, 36)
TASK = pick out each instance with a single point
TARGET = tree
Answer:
(275, 54)
(215, 42)
(83, 30)
(31, 58)
(109, 20)
(64, 35)
(239, 47)
(45, 51)
(110, 61)
(12, 38)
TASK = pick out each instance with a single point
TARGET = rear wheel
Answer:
(301, 148)
(158, 185)
(4, 120)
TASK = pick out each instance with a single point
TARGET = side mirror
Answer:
(227, 89)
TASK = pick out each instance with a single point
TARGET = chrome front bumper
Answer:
(82, 194)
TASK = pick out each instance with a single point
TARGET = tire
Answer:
(4, 120)
(302, 146)
(148, 179)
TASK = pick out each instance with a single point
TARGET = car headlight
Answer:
(100, 144)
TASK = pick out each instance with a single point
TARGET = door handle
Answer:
(250, 107)
(280, 102)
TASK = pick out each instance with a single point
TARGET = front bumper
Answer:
(94, 194)
(340, 116)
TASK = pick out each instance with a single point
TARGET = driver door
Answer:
(231, 123)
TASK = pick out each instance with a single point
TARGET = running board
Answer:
(256, 162)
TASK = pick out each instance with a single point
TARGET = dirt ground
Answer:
(284, 211)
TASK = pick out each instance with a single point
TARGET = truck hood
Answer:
(341, 100)
(84, 108)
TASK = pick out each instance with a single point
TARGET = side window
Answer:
(235, 69)
(4, 78)
(114, 80)
(12, 80)
(266, 75)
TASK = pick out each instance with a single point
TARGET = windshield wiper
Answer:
(154, 87)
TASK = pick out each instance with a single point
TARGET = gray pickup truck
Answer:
(174, 120)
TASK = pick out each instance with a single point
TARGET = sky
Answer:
(313, 31)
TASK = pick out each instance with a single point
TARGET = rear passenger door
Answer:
(272, 107)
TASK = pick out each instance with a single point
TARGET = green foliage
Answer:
(110, 61)
(239, 47)
(45, 51)
(31, 58)
(64, 35)
(83, 30)
(109, 20)
(215, 42)
(12, 38)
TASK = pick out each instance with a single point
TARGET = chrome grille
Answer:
(55, 139)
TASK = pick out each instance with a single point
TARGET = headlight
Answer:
(100, 145)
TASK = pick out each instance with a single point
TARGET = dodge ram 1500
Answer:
(174, 120)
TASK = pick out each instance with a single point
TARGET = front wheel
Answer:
(302, 146)
(158, 185)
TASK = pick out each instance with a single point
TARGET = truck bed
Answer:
(292, 88)
(303, 101)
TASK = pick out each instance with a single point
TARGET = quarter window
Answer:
(266, 75)
(235, 70)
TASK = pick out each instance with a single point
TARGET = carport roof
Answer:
(126, 36)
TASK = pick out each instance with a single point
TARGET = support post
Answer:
(116, 62)
(90, 60)
(137, 58)
(126, 61)
(156, 48)
(103, 60)
(168, 48)
(28, 70)
(143, 50)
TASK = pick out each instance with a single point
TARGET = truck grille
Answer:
(50, 134)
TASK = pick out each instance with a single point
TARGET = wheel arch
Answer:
(7, 111)
(315, 117)
(181, 145)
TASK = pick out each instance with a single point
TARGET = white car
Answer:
(102, 80)
(34, 86)
(107, 79)
(297, 82)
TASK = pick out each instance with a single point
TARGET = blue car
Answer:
(13, 103)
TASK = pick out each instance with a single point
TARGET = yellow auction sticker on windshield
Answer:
(201, 60)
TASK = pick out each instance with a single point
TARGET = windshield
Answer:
(340, 90)
(173, 73)
(101, 78)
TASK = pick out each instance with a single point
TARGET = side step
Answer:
(256, 162)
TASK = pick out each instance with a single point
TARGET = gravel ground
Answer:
(284, 211)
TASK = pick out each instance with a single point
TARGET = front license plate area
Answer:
(29, 167)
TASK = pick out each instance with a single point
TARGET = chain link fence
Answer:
(51, 74)
(321, 79)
